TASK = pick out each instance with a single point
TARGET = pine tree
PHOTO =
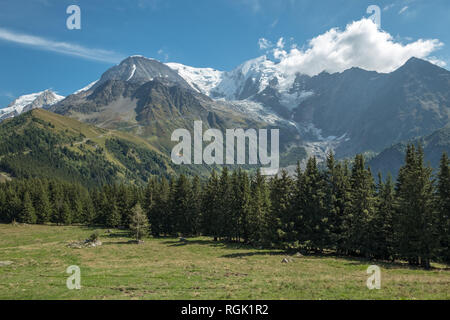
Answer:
(138, 222)
(89, 215)
(259, 211)
(183, 209)
(65, 214)
(242, 203)
(159, 214)
(415, 221)
(149, 202)
(361, 210)
(27, 214)
(113, 217)
(382, 224)
(281, 220)
(443, 208)
(43, 206)
(196, 200)
(314, 220)
(210, 207)
(225, 214)
(337, 199)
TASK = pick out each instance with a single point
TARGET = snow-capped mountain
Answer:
(201, 79)
(349, 112)
(28, 102)
(139, 69)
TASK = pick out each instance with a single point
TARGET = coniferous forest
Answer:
(342, 208)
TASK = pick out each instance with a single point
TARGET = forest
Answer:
(342, 208)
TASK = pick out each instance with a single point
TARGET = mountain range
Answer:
(354, 111)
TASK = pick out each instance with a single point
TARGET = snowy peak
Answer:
(28, 102)
(140, 70)
(203, 80)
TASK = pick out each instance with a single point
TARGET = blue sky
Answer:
(203, 33)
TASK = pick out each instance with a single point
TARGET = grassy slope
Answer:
(199, 269)
(86, 139)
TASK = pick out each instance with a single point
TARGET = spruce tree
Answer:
(27, 214)
(65, 214)
(337, 199)
(196, 200)
(314, 220)
(361, 210)
(210, 207)
(259, 211)
(382, 224)
(443, 208)
(183, 208)
(415, 226)
(43, 206)
(281, 219)
(113, 217)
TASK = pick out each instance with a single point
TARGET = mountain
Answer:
(349, 112)
(391, 159)
(138, 69)
(148, 99)
(28, 102)
(42, 144)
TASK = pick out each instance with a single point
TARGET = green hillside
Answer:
(43, 144)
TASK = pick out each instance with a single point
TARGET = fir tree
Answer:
(138, 222)
(281, 220)
(443, 208)
(415, 220)
(27, 214)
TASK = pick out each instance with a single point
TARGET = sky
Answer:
(38, 51)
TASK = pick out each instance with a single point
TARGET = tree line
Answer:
(341, 208)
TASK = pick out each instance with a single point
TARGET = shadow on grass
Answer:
(211, 243)
(350, 260)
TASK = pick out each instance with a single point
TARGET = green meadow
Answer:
(34, 259)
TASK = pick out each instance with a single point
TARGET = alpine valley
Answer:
(119, 127)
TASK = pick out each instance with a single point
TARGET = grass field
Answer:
(33, 262)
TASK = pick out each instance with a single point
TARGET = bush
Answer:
(94, 237)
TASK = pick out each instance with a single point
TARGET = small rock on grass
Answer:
(5, 263)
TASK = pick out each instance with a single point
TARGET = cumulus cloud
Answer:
(60, 47)
(362, 44)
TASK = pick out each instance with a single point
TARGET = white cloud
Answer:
(361, 44)
(402, 10)
(164, 55)
(264, 44)
(280, 43)
(388, 7)
(60, 47)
